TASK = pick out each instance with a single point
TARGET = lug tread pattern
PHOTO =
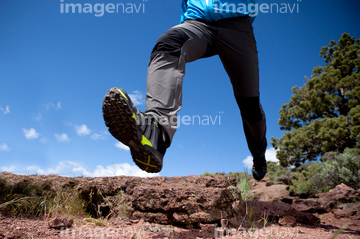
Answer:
(118, 117)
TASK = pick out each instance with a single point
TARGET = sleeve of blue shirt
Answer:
(183, 10)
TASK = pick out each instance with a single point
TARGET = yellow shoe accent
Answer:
(122, 93)
(148, 163)
(145, 141)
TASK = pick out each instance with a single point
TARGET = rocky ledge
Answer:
(196, 201)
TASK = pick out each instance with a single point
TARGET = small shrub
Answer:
(242, 182)
(301, 187)
(245, 188)
(336, 169)
(121, 206)
(283, 176)
(276, 172)
(341, 168)
(273, 168)
(66, 201)
(301, 180)
(28, 198)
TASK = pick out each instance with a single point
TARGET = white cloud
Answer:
(31, 133)
(137, 97)
(101, 135)
(248, 162)
(62, 137)
(4, 147)
(82, 130)
(118, 170)
(56, 106)
(6, 110)
(62, 167)
(121, 146)
(9, 169)
(69, 168)
(270, 155)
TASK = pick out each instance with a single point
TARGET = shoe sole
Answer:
(121, 121)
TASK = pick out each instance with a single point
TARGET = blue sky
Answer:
(55, 69)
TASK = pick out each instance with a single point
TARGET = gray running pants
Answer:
(233, 40)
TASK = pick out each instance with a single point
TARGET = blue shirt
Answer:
(214, 10)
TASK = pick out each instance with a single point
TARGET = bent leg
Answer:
(238, 52)
(181, 44)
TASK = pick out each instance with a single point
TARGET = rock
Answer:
(357, 216)
(181, 202)
(154, 217)
(347, 213)
(341, 193)
(189, 201)
(60, 222)
(229, 223)
(313, 205)
(273, 192)
(203, 226)
(289, 221)
(254, 183)
(260, 209)
(326, 202)
(12, 235)
(270, 191)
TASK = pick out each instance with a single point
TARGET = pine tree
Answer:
(324, 114)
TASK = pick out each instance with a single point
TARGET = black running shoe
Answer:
(259, 169)
(140, 132)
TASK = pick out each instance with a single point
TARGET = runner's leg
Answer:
(238, 52)
(179, 45)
